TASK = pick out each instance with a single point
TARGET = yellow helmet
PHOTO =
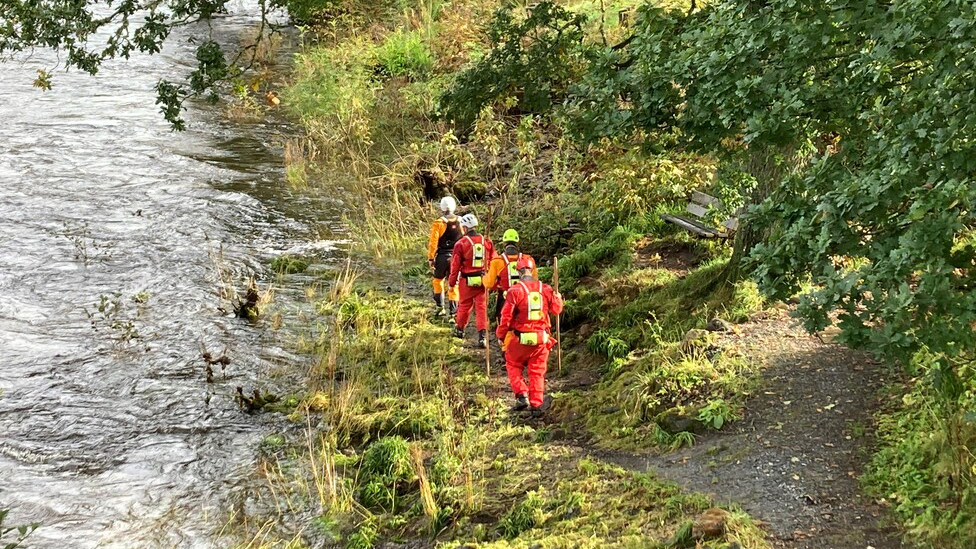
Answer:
(510, 235)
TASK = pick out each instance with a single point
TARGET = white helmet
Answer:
(448, 204)
(469, 220)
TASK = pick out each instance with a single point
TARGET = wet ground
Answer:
(110, 434)
(793, 462)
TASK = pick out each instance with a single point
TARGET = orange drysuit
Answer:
(444, 233)
(472, 254)
(502, 274)
(525, 319)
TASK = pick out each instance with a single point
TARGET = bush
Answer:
(385, 473)
(289, 264)
(404, 54)
(925, 465)
(333, 90)
(533, 59)
(522, 517)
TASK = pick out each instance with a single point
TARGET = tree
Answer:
(76, 27)
(860, 116)
(532, 59)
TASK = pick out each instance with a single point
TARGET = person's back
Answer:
(444, 234)
(524, 331)
(532, 302)
(502, 272)
(472, 255)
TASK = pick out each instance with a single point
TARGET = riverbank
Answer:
(404, 438)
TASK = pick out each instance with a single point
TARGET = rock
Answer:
(470, 191)
(695, 339)
(678, 420)
(585, 331)
(718, 325)
(674, 422)
(710, 524)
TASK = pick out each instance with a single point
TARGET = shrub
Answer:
(404, 53)
(925, 465)
(532, 59)
(522, 517)
(333, 90)
(385, 473)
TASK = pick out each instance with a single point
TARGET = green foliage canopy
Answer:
(533, 58)
(880, 96)
(92, 31)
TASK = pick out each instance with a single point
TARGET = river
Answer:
(109, 440)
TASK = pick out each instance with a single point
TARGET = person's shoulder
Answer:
(518, 288)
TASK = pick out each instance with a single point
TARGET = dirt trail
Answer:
(793, 461)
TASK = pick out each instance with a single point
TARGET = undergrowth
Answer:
(925, 467)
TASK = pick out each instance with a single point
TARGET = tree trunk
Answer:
(768, 166)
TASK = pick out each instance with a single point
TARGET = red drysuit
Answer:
(526, 311)
(465, 268)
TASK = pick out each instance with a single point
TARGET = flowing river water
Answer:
(115, 442)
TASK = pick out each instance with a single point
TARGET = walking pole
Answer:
(488, 330)
(559, 335)
(487, 339)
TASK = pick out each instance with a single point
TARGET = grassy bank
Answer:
(406, 438)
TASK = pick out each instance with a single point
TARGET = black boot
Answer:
(438, 304)
(452, 307)
(459, 332)
(521, 402)
(539, 411)
(482, 339)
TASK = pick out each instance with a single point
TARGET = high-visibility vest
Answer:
(511, 271)
(477, 261)
(534, 303)
(533, 310)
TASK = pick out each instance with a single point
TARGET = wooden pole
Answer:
(488, 330)
(559, 335)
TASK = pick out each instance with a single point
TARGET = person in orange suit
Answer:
(527, 338)
(502, 271)
(444, 234)
(472, 254)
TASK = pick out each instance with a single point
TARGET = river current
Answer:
(107, 439)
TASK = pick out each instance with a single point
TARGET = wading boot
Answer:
(539, 411)
(482, 339)
(459, 332)
(521, 402)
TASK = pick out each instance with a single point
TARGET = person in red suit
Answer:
(472, 253)
(527, 338)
